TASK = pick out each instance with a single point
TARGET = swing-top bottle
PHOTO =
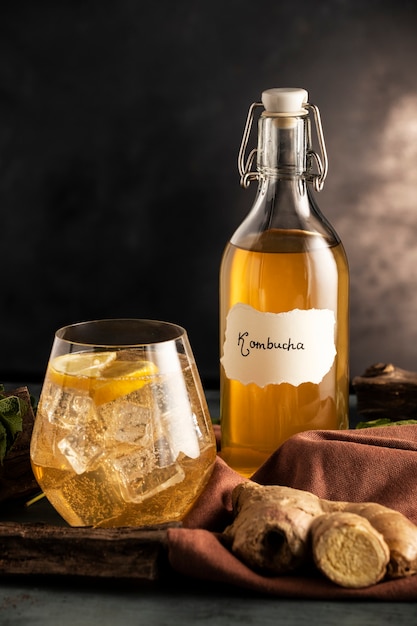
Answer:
(284, 285)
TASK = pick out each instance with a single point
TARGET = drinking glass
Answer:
(122, 435)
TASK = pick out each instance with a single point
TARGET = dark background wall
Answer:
(120, 124)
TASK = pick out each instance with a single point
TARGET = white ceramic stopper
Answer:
(284, 100)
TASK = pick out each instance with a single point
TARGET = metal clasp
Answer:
(321, 162)
(245, 164)
(244, 167)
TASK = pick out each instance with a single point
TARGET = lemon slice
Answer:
(76, 369)
(83, 363)
(104, 376)
(122, 378)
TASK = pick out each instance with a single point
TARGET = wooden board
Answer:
(123, 553)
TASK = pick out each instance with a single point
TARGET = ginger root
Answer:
(348, 550)
(270, 531)
(399, 532)
(278, 530)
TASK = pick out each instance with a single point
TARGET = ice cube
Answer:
(127, 421)
(65, 406)
(43, 449)
(85, 442)
(174, 402)
(141, 477)
(163, 452)
(91, 498)
(80, 449)
(176, 416)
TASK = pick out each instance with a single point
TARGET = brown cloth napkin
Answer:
(372, 464)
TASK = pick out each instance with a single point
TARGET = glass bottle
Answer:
(284, 291)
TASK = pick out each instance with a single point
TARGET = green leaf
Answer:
(12, 410)
(384, 421)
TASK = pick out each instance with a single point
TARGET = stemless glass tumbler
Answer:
(122, 435)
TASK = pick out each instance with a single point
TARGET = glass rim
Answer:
(127, 332)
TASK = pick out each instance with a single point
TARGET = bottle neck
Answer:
(285, 162)
(282, 147)
(282, 165)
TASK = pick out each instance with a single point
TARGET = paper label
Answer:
(294, 347)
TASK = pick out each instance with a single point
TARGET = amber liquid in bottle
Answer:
(275, 271)
(283, 267)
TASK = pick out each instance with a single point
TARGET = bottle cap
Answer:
(285, 100)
